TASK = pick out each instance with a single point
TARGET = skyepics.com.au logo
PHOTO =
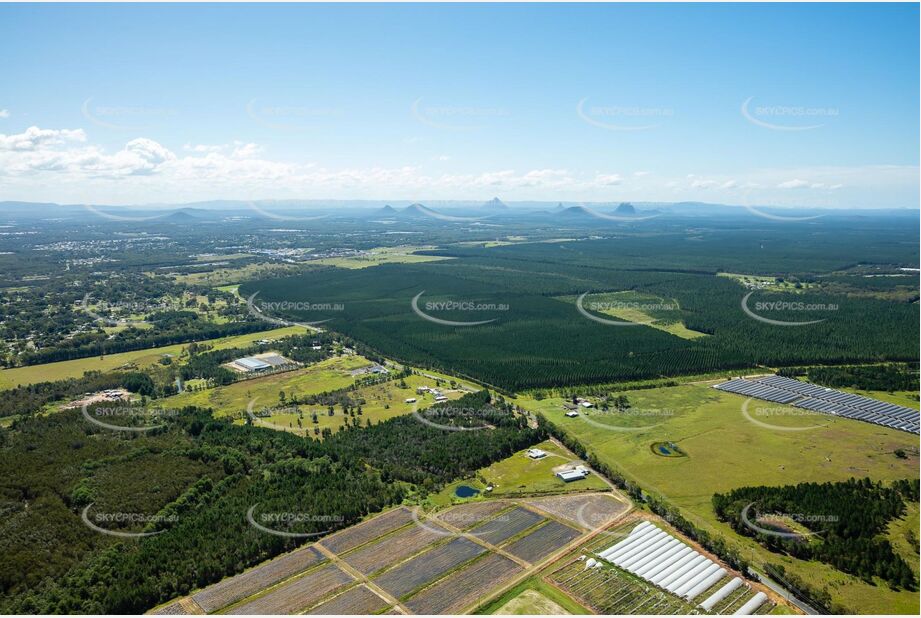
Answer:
(787, 117)
(125, 117)
(649, 417)
(458, 307)
(584, 309)
(109, 523)
(458, 523)
(782, 524)
(285, 523)
(454, 117)
(782, 307)
(767, 417)
(623, 117)
(128, 418)
(288, 117)
(264, 310)
(454, 418)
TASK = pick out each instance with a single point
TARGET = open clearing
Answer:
(646, 309)
(231, 400)
(382, 255)
(726, 450)
(10, 378)
(519, 475)
(381, 402)
(530, 603)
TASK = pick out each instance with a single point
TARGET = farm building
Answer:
(572, 475)
(536, 453)
(572, 414)
(258, 363)
(586, 404)
(410, 400)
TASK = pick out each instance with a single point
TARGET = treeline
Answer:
(888, 377)
(845, 521)
(132, 339)
(33, 397)
(60, 566)
(406, 449)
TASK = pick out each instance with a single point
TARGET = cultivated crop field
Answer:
(352, 602)
(393, 548)
(296, 595)
(248, 583)
(506, 525)
(465, 516)
(352, 537)
(463, 587)
(426, 567)
(542, 542)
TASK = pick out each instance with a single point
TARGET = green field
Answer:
(652, 311)
(10, 378)
(231, 400)
(382, 401)
(533, 596)
(382, 255)
(520, 475)
(725, 450)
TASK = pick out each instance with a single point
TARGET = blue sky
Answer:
(781, 104)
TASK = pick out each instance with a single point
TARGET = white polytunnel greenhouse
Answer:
(664, 560)
(721, 594)
(753, 604)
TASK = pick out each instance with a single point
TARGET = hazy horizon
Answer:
(137, 104)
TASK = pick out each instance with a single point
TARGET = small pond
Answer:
(465, 491)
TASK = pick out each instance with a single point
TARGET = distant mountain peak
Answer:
(625, 208)
(495, 204)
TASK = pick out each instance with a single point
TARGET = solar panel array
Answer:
(828, 400)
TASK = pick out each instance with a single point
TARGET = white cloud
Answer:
(703, 184)
(796, 183)
(609, 179)
(34, 138)
(61, 165)
(4, 113)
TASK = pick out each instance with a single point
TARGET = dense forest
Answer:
(842, 522)
(199, 476)
(541, 340)
(888, 377)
